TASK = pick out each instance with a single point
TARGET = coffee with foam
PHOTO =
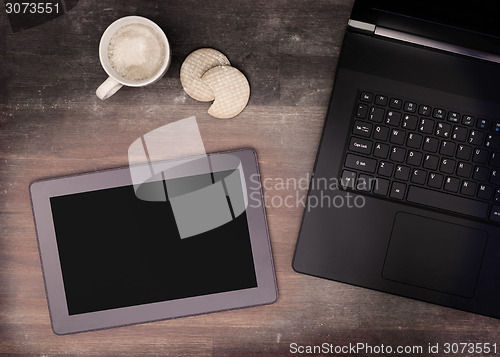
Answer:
(136, 52)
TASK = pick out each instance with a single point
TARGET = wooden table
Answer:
(51, 124)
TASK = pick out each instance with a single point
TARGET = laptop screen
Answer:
(475, 16)
(471, 24)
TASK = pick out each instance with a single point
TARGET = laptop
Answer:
(405, 193)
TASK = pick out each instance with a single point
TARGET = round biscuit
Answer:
(231, 91)
(194, 66)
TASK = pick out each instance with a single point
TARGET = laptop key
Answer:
(398, 190)
(431, 144)
(361, 146)
(410, 107)
(482, 124)
(452, 184)
(476, 137)
(398, 154)
(381, 187)
(395, 103)
(362, 129)
(480, 173)
(431, 162)
(495, 177)
(447, 166)
(381, 100)
(468, 188)
(414, 158)
(464, 169)
(418, 176)
(454, 117)
(448, 202)
(360, 163)
(480, 156)
(410, 122)
(414, 140)
(385, 168)
(443, 130)
(459, 133)
(424, 110)
(447, 148)
(495, 127)
(348, 178)
(381, 150)
(484, 192)
(397, 137)
(426, 126)
(492, 141)
(364, 183)
(439, 113)
(495, 160)
(381, 133)
(496, 198)
(362, 111)
(377, 114)
(495, 213)
(468, 120)
(464, 152)
(435, 180)
(402, 173)
(393, 118)
(366, 97)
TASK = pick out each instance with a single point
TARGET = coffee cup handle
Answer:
(108, 88)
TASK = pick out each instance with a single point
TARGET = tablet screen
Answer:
(117, 250)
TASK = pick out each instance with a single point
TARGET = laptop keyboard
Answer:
(408, 151)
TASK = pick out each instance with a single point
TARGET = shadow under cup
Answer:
(127, 49)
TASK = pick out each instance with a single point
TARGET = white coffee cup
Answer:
(134, 52)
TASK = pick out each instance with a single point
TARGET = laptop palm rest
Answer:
(434, 254)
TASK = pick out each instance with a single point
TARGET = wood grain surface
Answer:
(52, 123)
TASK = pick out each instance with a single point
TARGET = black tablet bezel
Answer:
(63, 323)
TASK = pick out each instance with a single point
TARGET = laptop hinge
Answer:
(439, 45)
(363, 27)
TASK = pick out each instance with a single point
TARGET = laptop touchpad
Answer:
(434, 254)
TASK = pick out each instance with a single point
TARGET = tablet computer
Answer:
(191, 240)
